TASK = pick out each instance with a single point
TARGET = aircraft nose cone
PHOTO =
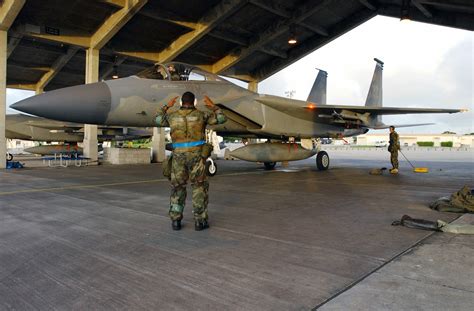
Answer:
(89, 103)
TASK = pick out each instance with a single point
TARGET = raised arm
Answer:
(216, 116)
(160, 116)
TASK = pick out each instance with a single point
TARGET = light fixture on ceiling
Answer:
(115, 73)
(405, 11)
(292, 39)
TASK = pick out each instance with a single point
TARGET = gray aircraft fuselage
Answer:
(134, 101)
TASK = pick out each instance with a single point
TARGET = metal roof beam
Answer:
(15, 39)
(22, 66)
(168, 17)
(229, 37)
(28, 87)
(110, 67)
(274, 52)
(462, 20)
(57, 66)
(244, 42)
(368, 4)
(316, 29)
(115, 22)
(152, 57)
(277, 28)
(102, 35)
(66, 36)
(280, 11)
(422, 8)
(220, 12)
(461, 5)
(115, 3)
(201, 28)
(313, 43)
(9, 10)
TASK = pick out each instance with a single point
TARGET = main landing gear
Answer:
(269, 165)
(322, 160)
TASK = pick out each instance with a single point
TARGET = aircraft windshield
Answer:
(157, 72)
(178, 72)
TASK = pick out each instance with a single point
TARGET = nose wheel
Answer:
(211, 167)
(322, 160)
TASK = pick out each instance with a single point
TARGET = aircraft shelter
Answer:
(51, 44)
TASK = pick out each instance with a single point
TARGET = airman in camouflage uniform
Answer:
(393, 147)
(188, 129)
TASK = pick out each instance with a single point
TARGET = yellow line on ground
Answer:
(106, 185)
(82, 186)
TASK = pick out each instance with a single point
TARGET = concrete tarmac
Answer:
(434, 275)
(291, 239)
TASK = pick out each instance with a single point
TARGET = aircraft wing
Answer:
(386, 110)
(386, 126)
(310, 111)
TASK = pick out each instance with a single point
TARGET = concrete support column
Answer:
(90, 131)
(158, 145)
(253, 86)
(3, 97)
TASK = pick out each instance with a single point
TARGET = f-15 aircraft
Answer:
(134, 100)
(20, 126)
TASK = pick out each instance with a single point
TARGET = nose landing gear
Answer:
(211, 167)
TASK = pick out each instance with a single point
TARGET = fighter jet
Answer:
(134, 100)
(20, 126)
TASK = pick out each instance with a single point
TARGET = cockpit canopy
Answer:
(176, 71)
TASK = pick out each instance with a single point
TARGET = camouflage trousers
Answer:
(184, 166)
(394, 158)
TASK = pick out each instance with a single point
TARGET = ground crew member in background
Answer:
(188, 129)
(393, 147)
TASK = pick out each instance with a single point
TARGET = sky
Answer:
(425, 66)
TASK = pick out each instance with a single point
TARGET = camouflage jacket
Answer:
(188, 125)
(394, 142)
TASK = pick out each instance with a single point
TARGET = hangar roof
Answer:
(247, 39)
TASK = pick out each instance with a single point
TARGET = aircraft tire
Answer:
(322, 160)
(9, 156)
(269, 165)
(211, 167)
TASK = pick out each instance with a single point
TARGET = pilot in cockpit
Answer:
(157, 73)
(173, 73)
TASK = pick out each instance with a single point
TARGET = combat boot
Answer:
(176, 224)
(200, 225)
(394, 171)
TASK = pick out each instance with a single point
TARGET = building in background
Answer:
(413, 139)
(16, 146)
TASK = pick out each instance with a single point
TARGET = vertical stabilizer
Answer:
(375, 95)
(317, 94)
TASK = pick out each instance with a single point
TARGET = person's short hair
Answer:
(391, 127)
(188, 98)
